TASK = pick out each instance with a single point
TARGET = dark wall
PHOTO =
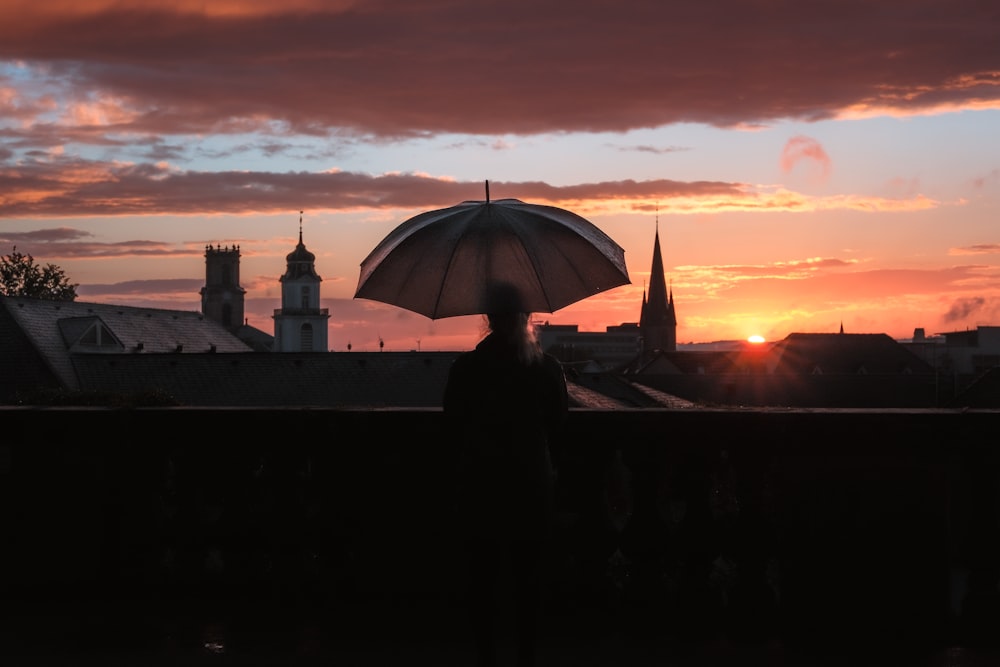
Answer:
(783, 522)
(839, 390)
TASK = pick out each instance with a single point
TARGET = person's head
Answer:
(509, 320)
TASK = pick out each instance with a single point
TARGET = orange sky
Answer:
(809, 164)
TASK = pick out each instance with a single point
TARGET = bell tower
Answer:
(222, 298)
(300, 325)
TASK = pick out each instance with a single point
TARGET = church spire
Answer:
(658, 298)
(658, 322)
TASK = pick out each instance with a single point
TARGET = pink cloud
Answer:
(799, 148)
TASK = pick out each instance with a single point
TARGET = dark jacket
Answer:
(505, 416)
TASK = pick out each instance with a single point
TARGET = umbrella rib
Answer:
(533, 262)
(444, 282)
(536, 264)
(444, 278)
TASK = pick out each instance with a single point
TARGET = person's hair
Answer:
(516, 330)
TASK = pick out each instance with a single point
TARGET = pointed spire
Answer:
(300, 227)
(658, 321)
(657, 298)
(841, 326)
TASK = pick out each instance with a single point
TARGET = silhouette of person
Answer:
(505, 401)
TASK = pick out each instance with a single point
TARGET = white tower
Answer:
(300, 325)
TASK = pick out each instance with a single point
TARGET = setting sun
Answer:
(755, 339)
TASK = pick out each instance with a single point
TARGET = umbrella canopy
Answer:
(450, 261)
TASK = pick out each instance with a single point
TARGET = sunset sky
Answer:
(808, 164)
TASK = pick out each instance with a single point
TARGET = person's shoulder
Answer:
(549, 359)
(551, 363)
(466, 358)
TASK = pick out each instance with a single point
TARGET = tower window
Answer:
(306, 338)
(305, 298)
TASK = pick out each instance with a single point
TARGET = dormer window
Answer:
(89, 334)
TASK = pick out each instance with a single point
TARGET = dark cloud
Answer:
(991, 178)
(181, 286)
(977, 249)
(962, 309)
(62, 243)
(406, 67)
(43, 235)
(74, 187)
(163, 151)
(656, 150)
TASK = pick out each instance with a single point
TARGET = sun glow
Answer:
(755, 339)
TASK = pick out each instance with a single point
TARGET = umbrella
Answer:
(448, 262)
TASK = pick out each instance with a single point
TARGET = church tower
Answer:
(222, 297)
(300, 325)
(658, 321)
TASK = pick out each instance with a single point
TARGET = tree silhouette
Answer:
(21, 276)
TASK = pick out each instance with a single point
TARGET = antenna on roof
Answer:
(487, 192)
(300, 227)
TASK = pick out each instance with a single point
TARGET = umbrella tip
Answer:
(487, 192)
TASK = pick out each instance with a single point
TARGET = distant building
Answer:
(803, 370)
(300, 325)
(960, 357)
(613, 348)
(971, 352)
